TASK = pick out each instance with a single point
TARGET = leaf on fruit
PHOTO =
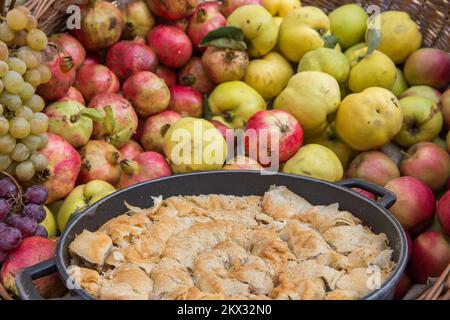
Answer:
(225, 37)
(108, 121)
(330, 41)
(373, 40)
(207, 113)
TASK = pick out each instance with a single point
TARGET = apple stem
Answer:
(405, 154)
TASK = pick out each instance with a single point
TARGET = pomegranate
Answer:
(32, 251)
(138, 134)
(120, 120)
(99, 161)
(228, 6)
(168, 75)
(289, 135)
(63, 74)
(92, 58)
(126, 58)
(206, 18)
(431, 255)
(70, 47)
(186, 101)
(73, 94)
(172, 9)
(147, 92)
(180, 24)
(71, 121)
(144, 167)
(138, 20)
(156, 127)
(130, 150)
(63, 166)
(194, 75)
(93, 79)
(101, 25)
(172, 46)
(224, 65)
(365, 193)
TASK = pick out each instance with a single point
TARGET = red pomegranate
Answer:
(168, 75)
(70, 46)
(206, 18)
(147, 92)
(194, 75)
(126, 58)
(229, 6)
(93, 79)
(186, 101)
(224, 65)
(144, 167)
(73, 94)
(63, 74)
(120, 120)
(172, 46)
(172, 9)
(155, 127)
(99, 161)
(130, 150)
(101, 25)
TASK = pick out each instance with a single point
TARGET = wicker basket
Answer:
(431, 15)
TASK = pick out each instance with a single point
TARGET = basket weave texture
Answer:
(431, 15)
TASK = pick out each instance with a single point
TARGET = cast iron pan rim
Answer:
(386, 286)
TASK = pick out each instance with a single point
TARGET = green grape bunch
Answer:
(23, 125)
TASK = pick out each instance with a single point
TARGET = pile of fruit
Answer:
(100, 107)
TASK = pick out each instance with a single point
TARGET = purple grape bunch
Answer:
(20, 215)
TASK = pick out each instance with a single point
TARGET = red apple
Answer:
(155, 128)
(32, 251)
(431, 255)
(186, 101)
(443, 212)
(422, 91)
(403, 286)
(415, 203)
(409, 244)
(274, 127)
(243, 163)
(365, 193)
(221, 127)
(373, 166)
(428, 162)
(428, 66)
(445, 107)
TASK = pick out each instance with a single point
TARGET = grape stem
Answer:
(17, 201)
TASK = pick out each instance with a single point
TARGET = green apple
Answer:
(400, 84)
(422, 121)
(348, 24)
(80, 198)
(423, 91)
(234, 102)
(326, 60)
(49, 223)
(349, 52)
(440, 142)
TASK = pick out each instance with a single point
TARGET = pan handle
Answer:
(386, 198)
(24, 280)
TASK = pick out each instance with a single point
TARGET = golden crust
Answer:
(222, 247)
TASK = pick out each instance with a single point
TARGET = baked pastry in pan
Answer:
(278, 246)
